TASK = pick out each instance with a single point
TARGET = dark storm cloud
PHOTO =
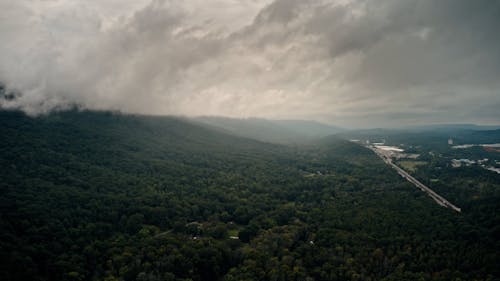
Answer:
(351, 62)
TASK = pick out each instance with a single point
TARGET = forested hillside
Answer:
(105, 196)
(274, 131)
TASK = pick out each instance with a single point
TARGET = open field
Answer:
(411, 165)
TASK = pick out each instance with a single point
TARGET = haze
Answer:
(350, 63)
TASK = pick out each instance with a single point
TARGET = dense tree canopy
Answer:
(105, 196)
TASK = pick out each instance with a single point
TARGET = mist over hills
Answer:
(307, 131)
(439, 135)
(454, 127)
(279, 131)
(262, 140)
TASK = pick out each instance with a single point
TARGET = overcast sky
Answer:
(350, 63)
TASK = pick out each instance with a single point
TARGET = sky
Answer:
(352, 63)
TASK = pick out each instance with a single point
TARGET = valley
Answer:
(89, 195)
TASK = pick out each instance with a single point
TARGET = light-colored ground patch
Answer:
(411, 165)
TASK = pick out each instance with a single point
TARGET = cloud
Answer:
(356, 63)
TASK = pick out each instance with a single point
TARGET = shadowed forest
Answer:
(90, 195)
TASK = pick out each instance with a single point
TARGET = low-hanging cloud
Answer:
(348, 62)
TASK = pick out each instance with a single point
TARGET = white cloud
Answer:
(348, 62)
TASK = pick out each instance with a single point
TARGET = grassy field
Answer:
(233, 232)
(411, 165)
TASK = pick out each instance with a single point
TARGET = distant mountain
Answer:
(308, 127)
(454, 127)
(435, 138)
(448, 130)
(274, 131)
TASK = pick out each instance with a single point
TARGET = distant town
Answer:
(400, 153)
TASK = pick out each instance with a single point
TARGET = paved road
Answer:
(438, 198)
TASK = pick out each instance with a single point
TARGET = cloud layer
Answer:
(354, 63)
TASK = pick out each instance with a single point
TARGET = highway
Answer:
(438, 198)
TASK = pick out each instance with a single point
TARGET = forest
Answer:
(90, 195)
